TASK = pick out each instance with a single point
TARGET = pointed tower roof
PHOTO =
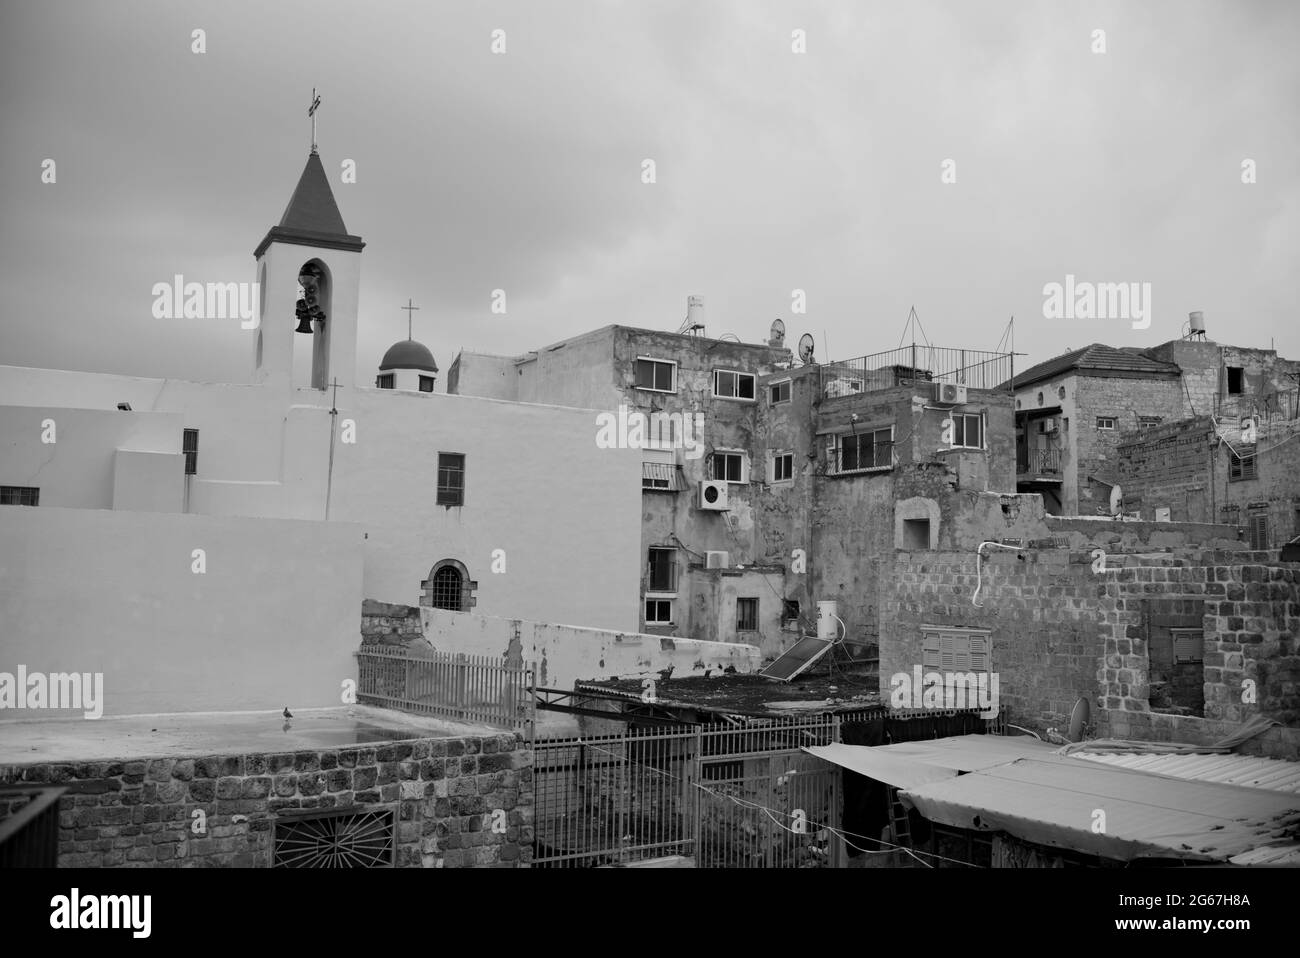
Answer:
(312, 218)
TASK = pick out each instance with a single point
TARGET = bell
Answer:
(304, 324)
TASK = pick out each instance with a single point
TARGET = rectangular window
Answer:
(1234, 380)
(747, 615)
(954, 650)
(386, 380)
(663, 570)
(20, 495)
(426, 384)
(873, 449)
(1259, 532)
(1242, 467)
(190, 446)
(968, 432)
(658, 611)
(728, 384)
(782, 466)
(779, 392)
(659, 375)
(1105, 422)
(790, 611)
(451, 479)
(727, 465)
(1147, 422)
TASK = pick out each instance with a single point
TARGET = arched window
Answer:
(448, 587)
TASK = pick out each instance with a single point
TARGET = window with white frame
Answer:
(868, 449)
(658, 611)
(779, 392)
(728, 465)
(968, 431)
(782, 467)
(732, 384)
(662, 569)
(1105, 422)
(657, 375)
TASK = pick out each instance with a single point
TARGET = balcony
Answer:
(1039, 462)
(911, 365)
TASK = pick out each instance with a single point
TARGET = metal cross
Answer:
(315, 102)
(334, 400)
(409, 309)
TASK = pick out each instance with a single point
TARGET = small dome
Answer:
(408, 354)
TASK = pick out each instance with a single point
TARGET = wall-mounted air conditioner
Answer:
(950, 394)
(713, 495)
(717, 560)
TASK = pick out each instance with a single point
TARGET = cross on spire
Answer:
(315, 103)
(409, 310)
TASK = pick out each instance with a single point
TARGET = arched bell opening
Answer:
(312, 312)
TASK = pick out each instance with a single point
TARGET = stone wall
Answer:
(1171, 466)
(384, 623)
(141, 812)
(1066, 626)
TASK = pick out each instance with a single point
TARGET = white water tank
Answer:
(1196, 322)
(826, 619)
(695, 312)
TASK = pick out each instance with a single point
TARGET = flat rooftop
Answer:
(24, 742)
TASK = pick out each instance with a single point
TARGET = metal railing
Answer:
(29, 829)
(1040, 462)
(471, 688)
(908, 365)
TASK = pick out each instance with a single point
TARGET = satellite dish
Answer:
(1116, 500)
(806, 347)
(1079, 716)
(776, 336)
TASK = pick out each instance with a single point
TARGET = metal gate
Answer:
(728, 797)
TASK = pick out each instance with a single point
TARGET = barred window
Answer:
(451, 479)
(190, 446)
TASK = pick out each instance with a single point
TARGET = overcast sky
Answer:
(775, 170)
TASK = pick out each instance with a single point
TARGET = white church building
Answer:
(209, 545)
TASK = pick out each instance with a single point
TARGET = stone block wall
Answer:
(383, 623)
(1170, 466)
(1065, 628)
(444, 791)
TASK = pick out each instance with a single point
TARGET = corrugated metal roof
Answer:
(1054, 801)
(907, 764)
(1244, 770)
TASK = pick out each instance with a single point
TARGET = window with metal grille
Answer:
(954, 650)
(1242, 467)
(968, 431)
(727, 465)
(663, 570)
(334, 839)
(190, 446)
(426, 384)
(1259, 532)
(451, 479)
(732, 384)
(386, 380)
(659, 611)
(20, 495)
(782, 467)
(1189, 645)
(779, 392)
(659, 375)
(866, 450)
(448, 589)
(747, 615)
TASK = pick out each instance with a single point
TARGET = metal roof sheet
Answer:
(907, 764)
(1245, 770)
(1054, 800)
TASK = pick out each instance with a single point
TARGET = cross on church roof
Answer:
(315, 103)
(409, 310)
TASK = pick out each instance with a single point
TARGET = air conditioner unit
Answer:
(717, 560)
(713, 496)
(1048, 425)
(950, 394)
